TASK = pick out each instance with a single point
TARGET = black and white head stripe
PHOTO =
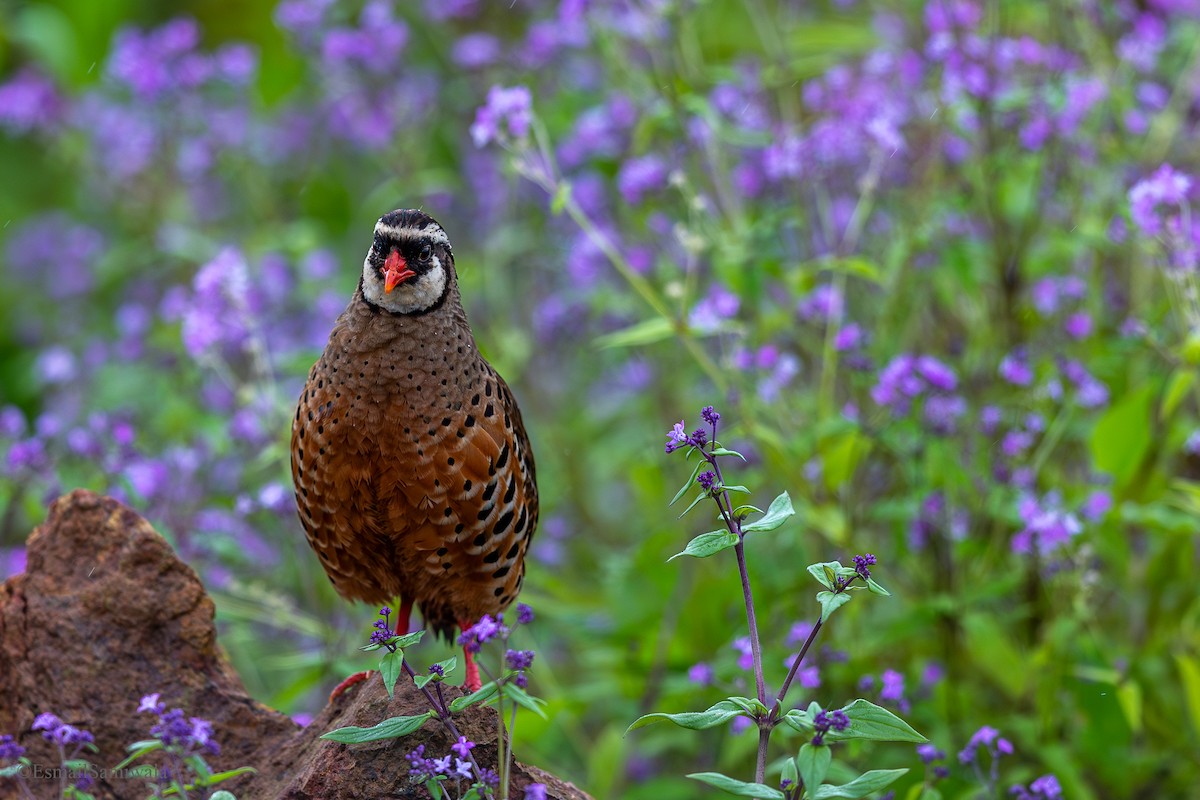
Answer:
(411, 225)
(428, 258)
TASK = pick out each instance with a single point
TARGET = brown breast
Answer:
(414, 476)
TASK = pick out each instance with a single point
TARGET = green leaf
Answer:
(390, 667)
(448, 666)
(863, 785)
(647, 331)
(139, 749)
(486, 692)
(738, 488)
(780, 510)
(690, 483)
(876, 588)
(824, 573)
(408, 640)
(869, 721)
(831, 602)
(747, 508)
(392, 728)
(735, 787)
(814, 764)
(8, 772)
(703, 495)
(802, 720)
(524, 699)
(228, 774)
(708, 544)
(724, 451)
(222, 795)
(790, 773)
(1180, 384)
(1189, 671)
(716, 714)
(751, 705)
(1122, 435)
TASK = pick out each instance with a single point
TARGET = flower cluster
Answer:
(475, 637)
(1046, 787)
(383, 630)
(185, 736)
(10, 750)
(990, 741)
(825, 721)
(929, 754)
(423, 769)
(907, 378)
(519, 660)
(60, 733)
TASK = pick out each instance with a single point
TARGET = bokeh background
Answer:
(933, 261)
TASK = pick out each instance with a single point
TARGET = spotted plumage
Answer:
(414, 476)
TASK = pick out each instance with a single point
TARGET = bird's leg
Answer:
(402, 619)
(402, 622)
(473, 683)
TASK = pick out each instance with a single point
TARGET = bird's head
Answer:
(410, 267)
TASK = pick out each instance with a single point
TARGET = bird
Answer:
(414, 475)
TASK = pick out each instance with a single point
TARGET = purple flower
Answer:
(825, 720)
(488, 628)
(1047, 525)
(709, 415)
(519, 659)
(861, 563)
(9, 749)
(745, 652)
(1015, 369)
(1079, 325)
(987, 738)
(29, 101)
(463, 746)
(218, 314)
(714, 309)
(891, 686)
(1046, 787)
(822, 304)
(535, 791)
(475, 50)
(928, 753)
(1097, 505)
(707, 480)
(152, 704)
(524, 614)
(701, 674)
(640, 176)
(1165, 187)
(509, 106)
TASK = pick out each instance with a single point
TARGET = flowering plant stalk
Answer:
(803, 775)
(506, 689)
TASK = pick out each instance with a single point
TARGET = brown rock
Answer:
(106, 613)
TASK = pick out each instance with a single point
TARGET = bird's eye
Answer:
(426, 253)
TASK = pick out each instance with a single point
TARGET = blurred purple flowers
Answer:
(508, 107)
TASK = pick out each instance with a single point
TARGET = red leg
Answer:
(402, 619)
(357, 677)
(473, 682)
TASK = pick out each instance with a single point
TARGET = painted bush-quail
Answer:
(414, 476)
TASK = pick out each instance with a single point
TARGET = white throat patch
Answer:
(415, 294)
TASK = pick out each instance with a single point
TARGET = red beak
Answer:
(395, 271)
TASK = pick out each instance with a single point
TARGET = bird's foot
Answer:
(357, 677)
